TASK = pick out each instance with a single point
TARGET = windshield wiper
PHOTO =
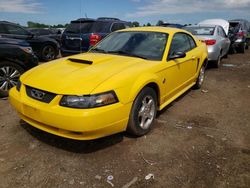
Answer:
(121, 52)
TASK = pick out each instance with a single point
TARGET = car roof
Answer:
(100, 19)
(155, 29)
(202, 25)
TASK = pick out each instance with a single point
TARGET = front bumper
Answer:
(79, 124)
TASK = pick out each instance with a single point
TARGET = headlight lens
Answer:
(27, 49)
(89, 101)
(18, 85)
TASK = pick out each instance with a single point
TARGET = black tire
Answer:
(9, 75)
(48, 52)
(226, 55)
(242, 48)
(200, 78)
(217, 63)
(141, 110)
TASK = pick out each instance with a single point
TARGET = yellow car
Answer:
(118, 85)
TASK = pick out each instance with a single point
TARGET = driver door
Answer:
(181, 71)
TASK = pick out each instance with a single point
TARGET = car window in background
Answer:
(149, 45)
(2, 29)
(117, 26)
(15, 30)
(77, 27)
(180, 43)
(100, 27)
(222, 32)
(201, 30)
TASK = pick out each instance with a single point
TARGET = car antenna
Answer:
(80, 37)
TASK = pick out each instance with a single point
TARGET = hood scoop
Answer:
(80, 61)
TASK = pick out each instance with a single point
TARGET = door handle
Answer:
(193, 57)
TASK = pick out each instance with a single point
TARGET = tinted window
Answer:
(2, 29)
(15, 30)
(180, 43)
(117, 26)
(45, 32)
(192, 42)
(149, 45)
(76, 28)
(200, 30)
(89, 27)
(101, 27)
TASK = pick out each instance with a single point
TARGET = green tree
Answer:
(148, 24)
(160, 22)
(135, 24)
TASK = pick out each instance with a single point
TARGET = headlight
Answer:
(18, 85)
(27, 49)
(89, 101)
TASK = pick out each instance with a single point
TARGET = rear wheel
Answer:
(9, 75)
(217, 62)
(242, 48)
(200, 78)
(143, 112)
(48, 52)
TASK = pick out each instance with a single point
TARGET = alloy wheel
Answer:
(8, 77)
(48, 53)
(146, 113)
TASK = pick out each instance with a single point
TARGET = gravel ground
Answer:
(200, 140)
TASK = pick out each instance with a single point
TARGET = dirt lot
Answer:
(200, 140)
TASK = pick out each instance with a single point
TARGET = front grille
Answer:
(39, 95)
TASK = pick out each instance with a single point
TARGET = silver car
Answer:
(216, 39)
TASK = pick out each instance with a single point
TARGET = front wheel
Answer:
(200, 78)
(143, 112)
(9, 75)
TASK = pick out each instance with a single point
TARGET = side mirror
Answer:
(177, 55)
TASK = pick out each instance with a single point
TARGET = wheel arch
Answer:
(139, 85)
(20, 63)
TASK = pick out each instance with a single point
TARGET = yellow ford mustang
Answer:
(118, 85)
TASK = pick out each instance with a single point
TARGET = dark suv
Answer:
(84, 33)
(16, 56)
(238, 31)
(44, 47)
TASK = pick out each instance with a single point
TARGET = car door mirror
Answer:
(177, 55)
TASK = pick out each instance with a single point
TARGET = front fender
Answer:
(141, 82)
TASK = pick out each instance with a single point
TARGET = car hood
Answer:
(13, 41)
(75, 74)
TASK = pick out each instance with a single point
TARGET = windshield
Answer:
(146, 45)
(199, 30)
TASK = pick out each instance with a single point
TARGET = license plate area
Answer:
(31, 112)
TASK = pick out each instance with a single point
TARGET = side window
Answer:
(180, 43)
(15, 30)
(222, 32)
(192, 42)
(44, 32)
(117, 26)
(2, 29)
